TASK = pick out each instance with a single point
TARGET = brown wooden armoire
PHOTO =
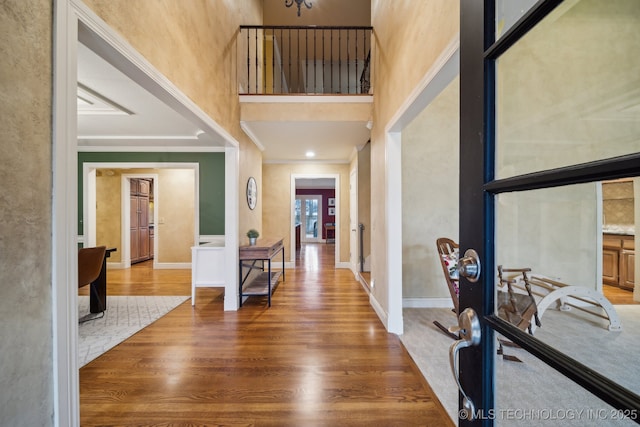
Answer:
(140, 232)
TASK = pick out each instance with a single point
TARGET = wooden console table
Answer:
(266, 282)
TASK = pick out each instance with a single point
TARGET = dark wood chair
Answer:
(448, 252)
(516, 308)
(448, 255)
(90, 261)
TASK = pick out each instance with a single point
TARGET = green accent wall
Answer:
(211, 181)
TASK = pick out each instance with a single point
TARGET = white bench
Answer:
(565, 297)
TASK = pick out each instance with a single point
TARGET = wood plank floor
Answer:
(618, 296)
(318, 357)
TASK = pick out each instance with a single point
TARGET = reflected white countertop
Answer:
(625, 230)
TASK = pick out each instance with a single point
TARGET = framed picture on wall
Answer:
(332, 211)
(332, 201)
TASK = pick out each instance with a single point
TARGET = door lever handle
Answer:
(469, 332)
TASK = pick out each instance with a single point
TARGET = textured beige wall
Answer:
(325, 12)
(26, 366)
(109, 211)
(195, 50)
(277, 200)
(175, 201)
(430, 164)
(409, 37)
(618, 203)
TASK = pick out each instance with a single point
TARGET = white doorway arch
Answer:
(336, 178)
(89, 208)
(73, 22)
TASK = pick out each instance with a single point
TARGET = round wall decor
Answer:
(252, 193)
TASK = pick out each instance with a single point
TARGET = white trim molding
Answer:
(172, 266)
(379, 310)
(427, 303)
(64, 258)
(306, 99)
(212, 238)
(252, 136)
(147, 149)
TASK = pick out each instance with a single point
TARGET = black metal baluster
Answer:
(248, 63)
(332, 91)
(315, 64)
(323, 62)
(273, 60)
(257, 60)
(306, 59)
(348, 64)
(290, 79)
(264, 62)
(281, 63)
(356, 61)
(298, 65)
(339, 61)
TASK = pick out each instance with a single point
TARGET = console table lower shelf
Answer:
(266, 282)
(260, 285)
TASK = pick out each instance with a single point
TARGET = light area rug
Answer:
(532, 393)
(125, 315)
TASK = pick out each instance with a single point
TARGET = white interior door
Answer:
(353, 222)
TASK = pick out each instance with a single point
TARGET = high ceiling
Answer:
(114, 111)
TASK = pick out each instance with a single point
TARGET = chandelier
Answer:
(289, 3)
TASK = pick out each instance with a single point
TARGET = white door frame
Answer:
(125, 216)
(294, 176)
(444, 70)
(73, 20)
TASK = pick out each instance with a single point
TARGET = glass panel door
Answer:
(308, 211)
(548, 116)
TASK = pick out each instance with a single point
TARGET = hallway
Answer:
(318, 356)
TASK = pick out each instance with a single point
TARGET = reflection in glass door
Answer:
(548, 113)
(308, 211)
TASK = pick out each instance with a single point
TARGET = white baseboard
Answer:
(427, 303)
(384, 318)
(115, 265)
(293, 265)
(172, 265)
(158, 266)
(364, 285)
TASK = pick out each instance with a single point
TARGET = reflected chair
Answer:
(517, 308)
(90, 262)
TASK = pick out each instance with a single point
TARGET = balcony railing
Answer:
(304, 60)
